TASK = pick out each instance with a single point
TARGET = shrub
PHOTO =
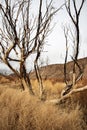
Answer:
(20, 111)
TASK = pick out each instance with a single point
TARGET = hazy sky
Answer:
(56, 50)
(55, 46)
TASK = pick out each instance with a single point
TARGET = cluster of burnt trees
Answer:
(24, 34)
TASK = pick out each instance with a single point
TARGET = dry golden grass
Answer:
(20, 111)
(53, 90)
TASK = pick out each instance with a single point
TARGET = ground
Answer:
(21, 111)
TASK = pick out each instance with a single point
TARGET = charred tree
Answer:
(75, 20)
(20, 33)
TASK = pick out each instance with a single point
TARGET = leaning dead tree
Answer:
(69, 88)
(22, 34)
(67, 96)
(73, 11)
(75, 20)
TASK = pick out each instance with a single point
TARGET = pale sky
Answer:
(56, 40)
(56, 50)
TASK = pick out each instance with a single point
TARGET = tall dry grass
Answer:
(20, 111)
(52, 90)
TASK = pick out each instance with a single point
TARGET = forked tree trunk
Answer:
(25, 80)
(39, 78)
(26, 86)
(29, 85)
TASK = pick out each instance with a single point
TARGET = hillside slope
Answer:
(56, 71)
(53, 72)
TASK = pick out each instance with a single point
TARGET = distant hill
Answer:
(55, 72)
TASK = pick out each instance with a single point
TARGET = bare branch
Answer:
(68, 8)
(74, 3)
(62, 99)
(11, 59)
(83, 1)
